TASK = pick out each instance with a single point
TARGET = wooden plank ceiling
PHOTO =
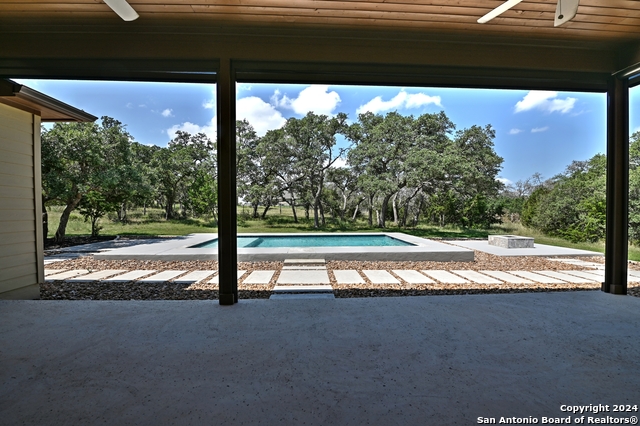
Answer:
(597, 20)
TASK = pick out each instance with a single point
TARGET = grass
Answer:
(281, 220)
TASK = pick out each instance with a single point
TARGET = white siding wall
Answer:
(21, 256)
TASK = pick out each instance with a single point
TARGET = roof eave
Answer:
(50, 108)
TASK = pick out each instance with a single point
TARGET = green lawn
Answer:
(153, 224)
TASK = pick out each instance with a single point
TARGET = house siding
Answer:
(21, 253)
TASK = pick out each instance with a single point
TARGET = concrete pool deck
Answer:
(181, 248)
(378, 361)
(537, 250)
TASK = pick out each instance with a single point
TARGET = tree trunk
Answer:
(306, 211)
(383, 215)
(357, 209)
(144, 208)
(370, 210)
(64, 218)
(322, 220)
(169, 213)
(293, 209)
(316, 207)
(316, 222)
(395, 209)
(417, 215)
(94, 227)
(266, 209)
(343, 211)
(405, 213)
(255, 211)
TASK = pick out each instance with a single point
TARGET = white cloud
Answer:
(167, 113)
(514, 131)
(209, 129)
(417, 100)
(315, 98)
(539, 129)
(211, 103)
(401, 100)
(129, 105)
(261, 115)
(545, 101)
(505, 181)
(340, 162)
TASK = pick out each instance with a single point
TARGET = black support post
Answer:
(616, 246)
(227, 199)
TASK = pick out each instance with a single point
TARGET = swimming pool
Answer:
(379, 246)
(312, 240)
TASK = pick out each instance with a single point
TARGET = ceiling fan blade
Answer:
(498, 11)
(123, 9)
(565, 11)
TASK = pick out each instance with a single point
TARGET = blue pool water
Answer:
(312, 241)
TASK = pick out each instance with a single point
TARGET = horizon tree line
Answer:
(381, 168)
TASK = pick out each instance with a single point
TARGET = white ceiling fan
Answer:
(123, 9)
(565, 11)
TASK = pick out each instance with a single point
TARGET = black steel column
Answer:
(227, 199)
(616, 248)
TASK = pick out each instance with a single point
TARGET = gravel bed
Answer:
(169, 291)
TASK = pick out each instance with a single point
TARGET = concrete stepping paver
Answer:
(507, 278)
(634, 273)
(566, 277)
(348, 276)
(289, 296)
(161, 277)
(413, 277)
(445, 277)
(303, 288)
(542, 279)
(590, 275)
(303, 268)
(304, 262)
(53, 260)
(477, 277)
(96, 276)
(67, 274)
(598, 275)
(573, 261)
(304, 277)
(48, 272)
(215, 279)
(259, 277)
(130, 276)
(630, 278)
(380, 277)
(194, 277)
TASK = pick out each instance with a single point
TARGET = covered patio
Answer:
(440, 360)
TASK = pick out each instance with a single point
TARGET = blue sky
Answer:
(535, 131)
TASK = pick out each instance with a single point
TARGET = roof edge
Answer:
(22, 92)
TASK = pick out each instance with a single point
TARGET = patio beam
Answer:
(616, 246)
(227, 199)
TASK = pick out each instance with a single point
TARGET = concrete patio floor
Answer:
(381, 361)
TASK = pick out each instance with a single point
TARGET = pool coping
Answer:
(179, 248)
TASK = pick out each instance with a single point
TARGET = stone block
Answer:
(510, 241)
